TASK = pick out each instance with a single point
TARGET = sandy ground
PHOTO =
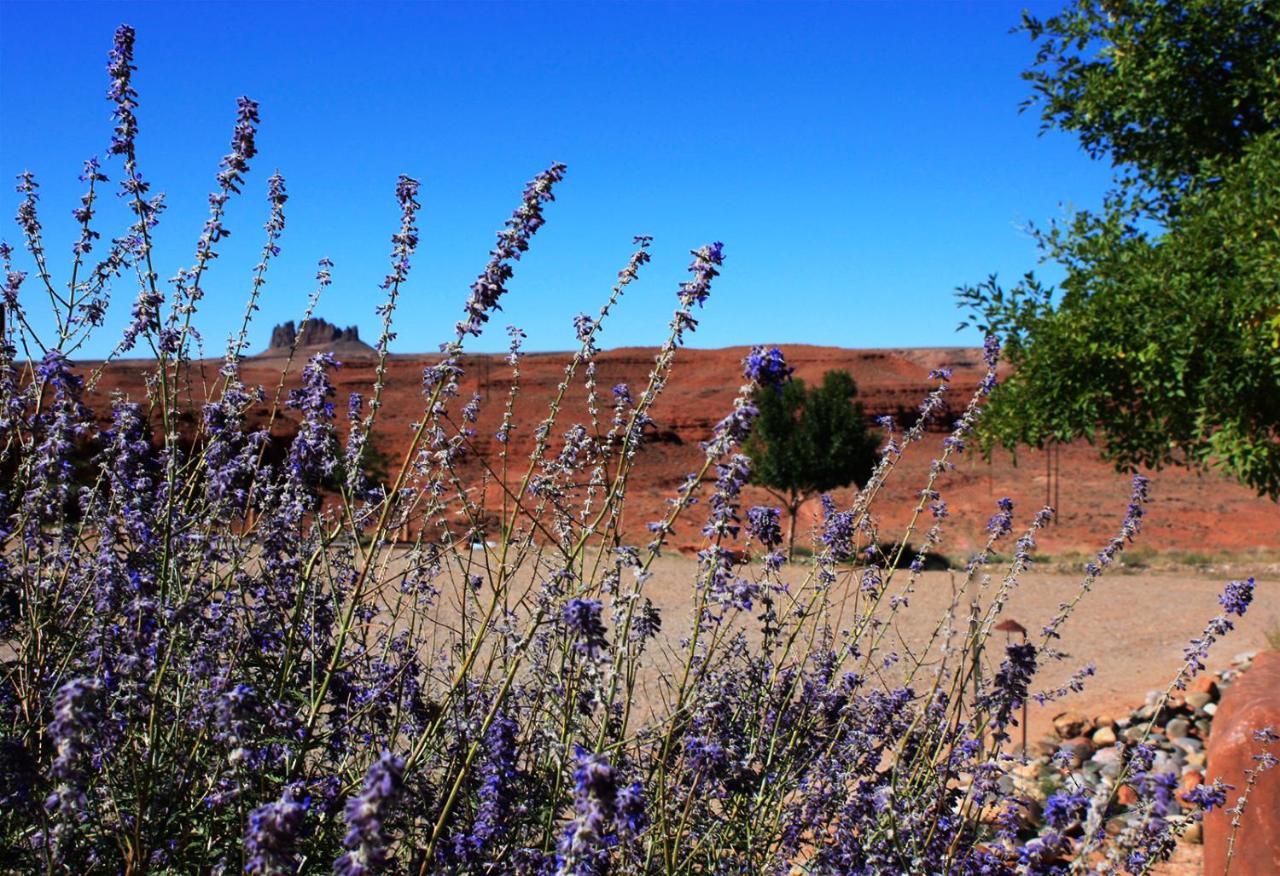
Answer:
(1132, 625)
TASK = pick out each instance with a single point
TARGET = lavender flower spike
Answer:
(602, 811)
(365, 814)
(75, 715)
(582, 619)
(513, 241)
(1236, 597)
(766, 368)
(121, 92)
(273, 832)
(705, 268)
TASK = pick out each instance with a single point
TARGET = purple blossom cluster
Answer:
(272, 836)
(229, 642)
(513, 242)
(604, 810)
(365, 815)
(766, 368)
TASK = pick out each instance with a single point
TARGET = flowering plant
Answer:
(217, 659)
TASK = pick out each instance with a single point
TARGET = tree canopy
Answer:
(807, 441)
(1163, 341)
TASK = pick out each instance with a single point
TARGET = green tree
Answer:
(1162, 343)
(808, 441)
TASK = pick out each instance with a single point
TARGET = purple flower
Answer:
(765, 525)
(76, 714)
(1009, 688)
(405, 241)
(731, 477)
(1198, 648)
(602, 811)
(471, 411)
(1208, 797)
(1237, 595)
(838, 534)
(1063, 807)
(991, 356)
(1002, 521)
(705, 268)
(27, 217)
(582, 619)
(121, 93)
(365, 814)
(766, 368)
(243, 145)
(513, 241)
(497, 794)
(734, 428)
(311, 456)
(272, 836)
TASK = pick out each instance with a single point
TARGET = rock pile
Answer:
(1086, 754)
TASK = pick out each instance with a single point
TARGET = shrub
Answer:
(213, 658)
(809, 441)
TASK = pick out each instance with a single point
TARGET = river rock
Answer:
(1135, 733)
(1071, 724)
(1075, 751)
(1168, 762)
(1203, 684)
(1110, 768)
(1198, 699)
(1044, 747)
(1190, 780)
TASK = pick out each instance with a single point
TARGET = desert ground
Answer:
(1133, 625)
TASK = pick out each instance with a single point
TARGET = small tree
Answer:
(808, 441)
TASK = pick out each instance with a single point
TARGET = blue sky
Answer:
(858, 160)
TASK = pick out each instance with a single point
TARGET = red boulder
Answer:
(1251, 703)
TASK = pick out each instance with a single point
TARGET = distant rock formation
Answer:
(317, 334)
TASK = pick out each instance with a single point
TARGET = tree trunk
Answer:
(793, 509)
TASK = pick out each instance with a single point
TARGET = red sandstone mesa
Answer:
(1187, 507)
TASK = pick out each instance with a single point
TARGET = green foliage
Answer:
(807, 441)
(1163, 342)
(1157, 86)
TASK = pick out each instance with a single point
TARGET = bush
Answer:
(212, 659)
(809, 441)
